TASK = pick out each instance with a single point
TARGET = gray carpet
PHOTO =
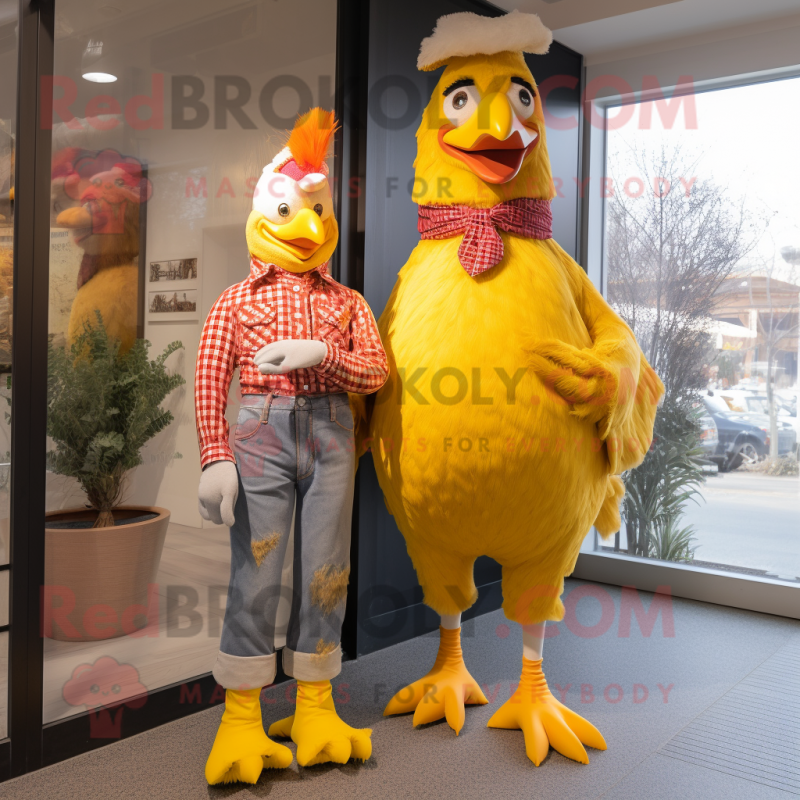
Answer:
(712, 651)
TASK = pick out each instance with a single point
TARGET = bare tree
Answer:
(669, 249)
(776, 323)
(672, 240)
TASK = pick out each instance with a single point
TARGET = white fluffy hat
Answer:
(468, 34)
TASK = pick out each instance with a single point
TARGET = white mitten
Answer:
(219, 488)
(281, 357)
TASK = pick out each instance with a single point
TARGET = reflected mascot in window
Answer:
(107, 190)
(524, 394)
(301, 342)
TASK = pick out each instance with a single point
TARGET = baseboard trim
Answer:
(764, 595)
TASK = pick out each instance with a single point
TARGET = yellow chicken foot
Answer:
(241, 748)
(318, 732)
(443, 691)
(544, 721)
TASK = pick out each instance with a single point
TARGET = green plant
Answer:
(104, 405)
(657, 490)
(668, 542)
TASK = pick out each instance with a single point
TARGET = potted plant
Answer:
(104, 405)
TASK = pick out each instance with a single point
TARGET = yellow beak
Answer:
(303, 236)
(75, 217)
(494, 117)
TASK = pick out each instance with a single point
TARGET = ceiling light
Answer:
(99, 77)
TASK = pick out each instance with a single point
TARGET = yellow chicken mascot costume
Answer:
(516, 396)
(110, 188)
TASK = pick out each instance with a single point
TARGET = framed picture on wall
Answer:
(176, 269)
(172, 304)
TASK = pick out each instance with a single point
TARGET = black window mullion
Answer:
(29, 388)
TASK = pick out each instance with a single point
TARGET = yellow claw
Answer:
(282, 728)
(444, 691)
(544, 721)
(320, 735)
(241, 748)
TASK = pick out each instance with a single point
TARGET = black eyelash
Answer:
(523, 82)
(459, 84)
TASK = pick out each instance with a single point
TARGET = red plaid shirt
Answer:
(270, 305)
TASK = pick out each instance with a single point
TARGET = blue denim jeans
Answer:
(289, 449)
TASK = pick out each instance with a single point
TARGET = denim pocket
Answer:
(343, 416)
(247, 423)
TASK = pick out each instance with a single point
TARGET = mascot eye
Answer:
(119, 182)
(460, 104)
(116, 688)
(460, 100)
(522, 100)
(94, 689)
(283, 210)
(318, 209)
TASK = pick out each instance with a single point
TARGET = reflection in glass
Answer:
(152, 182)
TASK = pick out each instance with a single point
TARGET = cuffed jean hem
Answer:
(244, 672)
(312, 666)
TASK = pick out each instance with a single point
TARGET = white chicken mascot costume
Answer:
(301, 342)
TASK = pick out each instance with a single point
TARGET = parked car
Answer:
(709, 441)
(709, 438)
(739, 439)
(758, 404)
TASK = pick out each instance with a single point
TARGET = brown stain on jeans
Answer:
(329, 587)
(324, 649)
(263, 547)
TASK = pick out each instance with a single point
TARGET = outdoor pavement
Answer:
(749, 520)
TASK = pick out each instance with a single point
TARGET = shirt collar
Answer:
(269, 272)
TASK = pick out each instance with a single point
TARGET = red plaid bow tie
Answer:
(482, 247)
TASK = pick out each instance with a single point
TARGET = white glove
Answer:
(219, 488)
(281, 357)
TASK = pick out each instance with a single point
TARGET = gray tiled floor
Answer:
(713, 649)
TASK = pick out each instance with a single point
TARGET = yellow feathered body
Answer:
(479, 469)
(114, 291)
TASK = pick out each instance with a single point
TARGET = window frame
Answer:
(720, 587)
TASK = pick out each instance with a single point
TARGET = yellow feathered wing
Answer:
(610, 384)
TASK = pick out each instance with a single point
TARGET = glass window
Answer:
(164, 115)
(703, 261)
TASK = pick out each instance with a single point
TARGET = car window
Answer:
(757, 404)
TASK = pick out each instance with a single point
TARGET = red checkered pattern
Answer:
(270, 305)
(482, 247)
